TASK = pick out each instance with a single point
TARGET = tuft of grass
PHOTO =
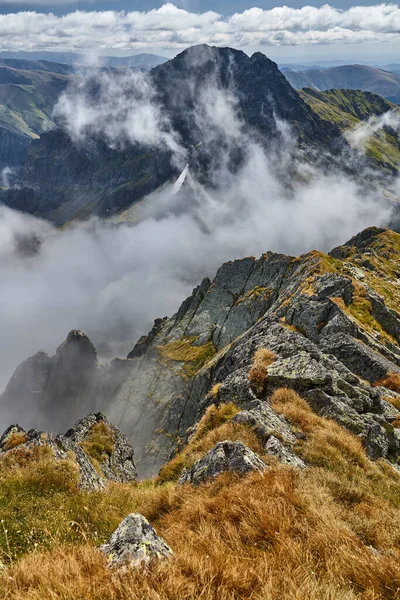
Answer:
(182, 350)
(391, 381)
(215, 390)
(16, 439)
(99, 443)
(258, 373)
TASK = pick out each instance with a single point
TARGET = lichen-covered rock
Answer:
(225, 456)
(265, 422)
(112, 450)
(135, 544)
(283, 453)
(13, 436)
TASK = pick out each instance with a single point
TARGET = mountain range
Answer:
(352, 77)
(63, 180)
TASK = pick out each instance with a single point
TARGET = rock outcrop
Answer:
(100, 451)
(226, 456)
(49, 392)
(135, 544)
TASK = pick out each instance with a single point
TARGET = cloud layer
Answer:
(170, 27)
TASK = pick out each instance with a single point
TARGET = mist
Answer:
(112, 280)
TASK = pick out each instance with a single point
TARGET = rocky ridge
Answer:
(332, 331)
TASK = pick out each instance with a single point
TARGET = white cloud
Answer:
(175, 28)
(364, 130)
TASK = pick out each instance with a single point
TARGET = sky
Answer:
(358, 32)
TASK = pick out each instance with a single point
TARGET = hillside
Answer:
(353, 77)
(27, 99)
(267, 410)
(348, 109)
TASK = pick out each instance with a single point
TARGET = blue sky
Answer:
(357, 32)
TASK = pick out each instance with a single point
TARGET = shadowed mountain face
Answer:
(62, 179)
(353, 77)
(330, 324)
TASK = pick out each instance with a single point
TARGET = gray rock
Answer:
(119, 464)
(265, 422)
(135, 544)
(284, 454)
(225, 456)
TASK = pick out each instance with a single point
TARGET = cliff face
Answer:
(330, 323)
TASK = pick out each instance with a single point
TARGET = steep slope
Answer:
(329, 322)
(27, 99)
(353, 77)
(61, 180)
(348, 109)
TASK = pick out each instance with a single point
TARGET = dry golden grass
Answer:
(258, 373)
(391, 381)
(99, 443)
(16, 439)
(215, 426)
(331, 532)
(215, 390)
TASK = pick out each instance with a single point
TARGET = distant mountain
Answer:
(354, 77)
(27, 99)
(62, 180)
(393, 68)
(143, 60)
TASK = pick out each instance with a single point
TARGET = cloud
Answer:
(119, 107)
(171, 27)
(364, 130)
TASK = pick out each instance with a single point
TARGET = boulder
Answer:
(284, 454)
(135, 544)
(225, 456)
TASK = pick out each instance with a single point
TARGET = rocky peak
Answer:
(69, 376)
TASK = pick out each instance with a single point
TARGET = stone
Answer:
(284, 454)
(135, 544)
(225, 456)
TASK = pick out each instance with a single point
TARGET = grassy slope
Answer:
(332, 531)
(26, 103)
(347, 109)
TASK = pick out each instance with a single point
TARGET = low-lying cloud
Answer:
(119, 107)
(171, 27)
(365, 130)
